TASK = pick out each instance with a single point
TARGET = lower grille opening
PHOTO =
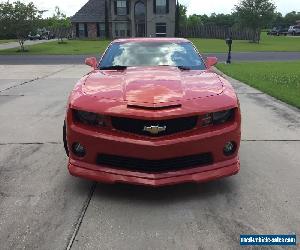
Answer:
(154, 166)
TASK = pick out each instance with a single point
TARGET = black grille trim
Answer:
(154, 108)
(154, 166)
(136, 126)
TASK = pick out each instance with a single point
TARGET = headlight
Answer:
(223, 116)
(217, 118)
(89, 118)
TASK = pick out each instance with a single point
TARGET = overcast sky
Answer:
(194, 6)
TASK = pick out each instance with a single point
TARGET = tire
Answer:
(65, 139)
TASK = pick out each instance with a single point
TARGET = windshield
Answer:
(134, 54)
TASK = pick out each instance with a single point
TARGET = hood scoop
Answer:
(154, 108)
(154, 88)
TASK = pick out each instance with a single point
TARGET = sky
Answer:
(70, 7)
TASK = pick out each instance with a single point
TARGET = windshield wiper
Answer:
(114, 67)
(183, 68)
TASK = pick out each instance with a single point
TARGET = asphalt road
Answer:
(43, 207)
(79, 59)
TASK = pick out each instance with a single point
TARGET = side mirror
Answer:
(91, 61)
(211, 61)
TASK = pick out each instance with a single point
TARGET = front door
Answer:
(140, 30)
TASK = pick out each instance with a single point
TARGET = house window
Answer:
(161, 30)
(161, 6)
(121, 30)
(121, 7)
(81, 30)
(101, 30)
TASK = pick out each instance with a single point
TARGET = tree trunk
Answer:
(21, 42)
(256, 35)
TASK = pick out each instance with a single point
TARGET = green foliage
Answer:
(194, 20)
(18, 19)
(60, 23)
(255, 14)
(264, 18)
(291, 18)
(182, 10)
(214, 19)
(278, 79)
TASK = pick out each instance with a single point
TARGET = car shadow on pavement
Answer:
(176, 193)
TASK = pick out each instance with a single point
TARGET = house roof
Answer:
(92, 11)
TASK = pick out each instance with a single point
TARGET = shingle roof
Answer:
(92, 11)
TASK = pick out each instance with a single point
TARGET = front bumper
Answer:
(155, 180)
(170, 147)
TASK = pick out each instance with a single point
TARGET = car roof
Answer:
(151, 39)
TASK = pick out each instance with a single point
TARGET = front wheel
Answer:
(65, 138)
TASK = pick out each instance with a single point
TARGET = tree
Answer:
(182, 10)
(18, 20)
(194, 20)
(227, 20)
(61, 23)
(255, 14)
(291, 18)
(278, 20)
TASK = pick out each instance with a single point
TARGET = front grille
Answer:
(171, 126)
(154, 166)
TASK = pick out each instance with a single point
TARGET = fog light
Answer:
(78, 149)
(229, 148)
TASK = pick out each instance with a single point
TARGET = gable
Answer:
(92, 11)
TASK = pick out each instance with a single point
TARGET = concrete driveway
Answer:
(42, 206)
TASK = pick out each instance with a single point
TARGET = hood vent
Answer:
(154, 108)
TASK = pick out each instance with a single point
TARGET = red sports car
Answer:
(152, 112)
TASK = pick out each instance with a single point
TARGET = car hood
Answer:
(147, 86)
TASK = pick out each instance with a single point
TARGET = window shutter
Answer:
(86, 30)
(154, 6)
(167, 6)
(77, 29)
(98, 30)
(128, 6)
(115, 7)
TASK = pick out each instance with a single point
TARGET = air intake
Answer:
(154, 108)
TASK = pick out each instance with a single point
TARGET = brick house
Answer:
(125, 18)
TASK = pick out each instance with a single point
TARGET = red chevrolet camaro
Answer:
(152, 112)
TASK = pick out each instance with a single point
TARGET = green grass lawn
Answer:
(71, 47)
(278, 79)
(267, 43)
(83, 47)
(7, 41)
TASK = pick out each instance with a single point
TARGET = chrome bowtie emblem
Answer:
(155, 129)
